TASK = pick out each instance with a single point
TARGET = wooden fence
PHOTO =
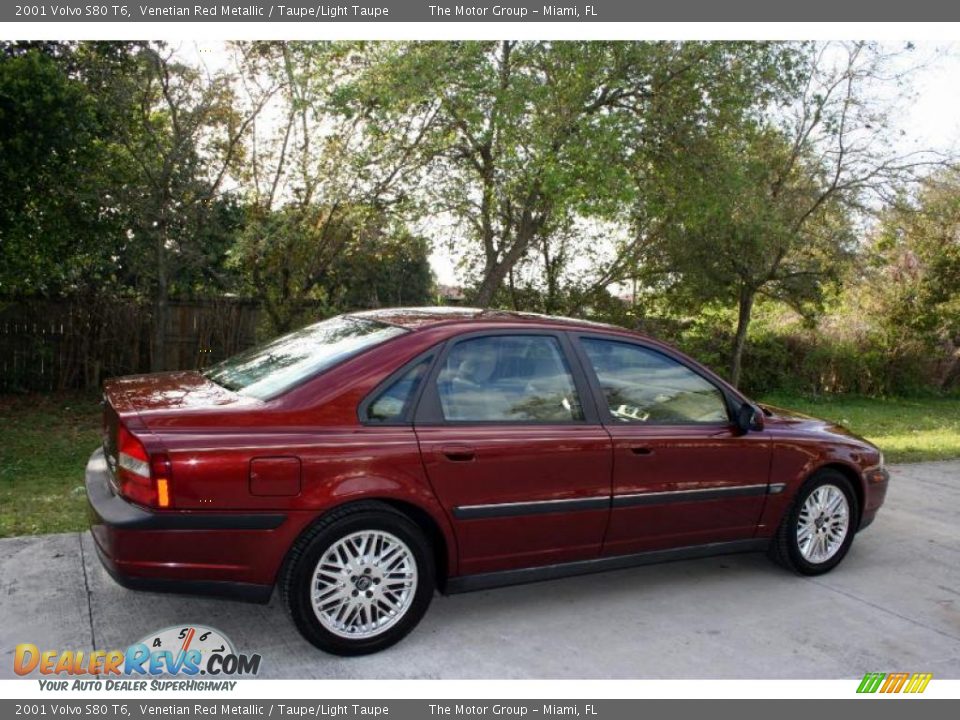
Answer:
(57, 345)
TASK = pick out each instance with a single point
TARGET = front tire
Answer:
(359, 580)
(818, 529)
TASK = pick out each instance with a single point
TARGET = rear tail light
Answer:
(142, 478)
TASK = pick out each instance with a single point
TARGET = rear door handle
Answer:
(458, 453)
(640, 450)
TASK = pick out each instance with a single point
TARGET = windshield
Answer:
(267, 370)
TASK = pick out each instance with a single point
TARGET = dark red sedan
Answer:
(362, 462)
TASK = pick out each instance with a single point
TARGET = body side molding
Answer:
(675, 496)
(536, 507)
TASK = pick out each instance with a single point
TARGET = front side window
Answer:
(268, 370)
(508, 378)
(644, 386)
(393, 404)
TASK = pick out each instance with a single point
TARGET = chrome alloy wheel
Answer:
(823, 524)
(364, 584)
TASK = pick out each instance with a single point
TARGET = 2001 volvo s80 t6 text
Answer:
(363, 462)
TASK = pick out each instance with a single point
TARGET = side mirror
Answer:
(749, 418)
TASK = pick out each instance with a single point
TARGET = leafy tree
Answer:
(304, 262)
(382, 269)
(55, 223)
(746, 231)
(769, 206)
(320, 229)
(521, 137)
(915, 280)
(180, 134)
(115, 156)
(287, 256)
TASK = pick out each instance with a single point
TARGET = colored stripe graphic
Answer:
(894, 682)
(918, 682)
(871, 682)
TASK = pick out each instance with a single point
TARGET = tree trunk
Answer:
(495, 271)
(513, 291)
(747, 296)
(550, 269)
(158, 358)
(492, 280)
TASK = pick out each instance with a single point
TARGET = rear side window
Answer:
(509, 378)
(394, 404)
(266, 371)
(644, 386)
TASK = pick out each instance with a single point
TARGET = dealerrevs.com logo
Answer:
(180, 651)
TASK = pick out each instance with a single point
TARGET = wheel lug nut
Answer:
(366, 571)
(376, 581)
(369, 593)
(355, 593)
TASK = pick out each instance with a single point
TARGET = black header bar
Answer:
(300, 11)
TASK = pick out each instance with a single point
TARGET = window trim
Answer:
(731, 403)
(430, 356)
(429, 411)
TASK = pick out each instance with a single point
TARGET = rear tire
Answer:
(359, 580)
(818, 529)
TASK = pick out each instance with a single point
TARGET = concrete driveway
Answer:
(894, 604)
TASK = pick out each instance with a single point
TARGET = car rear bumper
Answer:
(229, 554)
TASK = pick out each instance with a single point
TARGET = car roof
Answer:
(414, 318)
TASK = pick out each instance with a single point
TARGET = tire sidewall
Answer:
(301, 606)
(825, 477)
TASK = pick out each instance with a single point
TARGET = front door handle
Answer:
(640, 450)
(458, 453)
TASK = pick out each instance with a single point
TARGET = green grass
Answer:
(45, 441)
(44, 445)
(907, 430)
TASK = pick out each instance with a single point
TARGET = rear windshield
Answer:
(266, 371)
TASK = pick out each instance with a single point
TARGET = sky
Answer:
(929, 121)
(933, 119)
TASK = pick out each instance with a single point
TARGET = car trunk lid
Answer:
(137, 459)
(145, 395)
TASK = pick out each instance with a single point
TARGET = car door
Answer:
(514, 450)
(683, 473)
